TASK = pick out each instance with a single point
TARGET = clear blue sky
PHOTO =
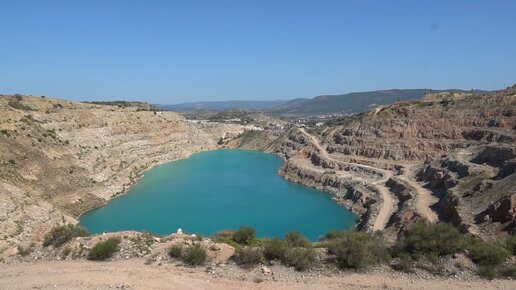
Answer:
(174, 51)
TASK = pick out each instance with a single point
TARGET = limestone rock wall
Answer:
(64, 158)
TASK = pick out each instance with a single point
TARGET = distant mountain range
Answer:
(222, 106)
(347, 103)
(326, 104)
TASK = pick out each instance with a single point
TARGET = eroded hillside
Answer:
(448, 157)
(59, 159)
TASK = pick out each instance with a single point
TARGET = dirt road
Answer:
(388, 202)
(133, 274)
(424, 198)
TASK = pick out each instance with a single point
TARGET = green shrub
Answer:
(17, 105)
(426, 239)
(358, 250)
(487, 272)
(104, 250)
(195, 255)
(405, 263)
(485, 253)
(67, 251)
(332, 235)
(175, 251)
(59, 235)
(274, 249)
(509, 272)
(510, 244)
(24, 251)
(244, 235)
(248, 257)
(258, 280)
(79, 231)
(223, 235)
(300, 258)
(488, 256)
(296, 239)
(432, 264)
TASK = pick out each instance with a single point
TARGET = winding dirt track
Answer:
(424, 198)
(386, 211)
(388, 202)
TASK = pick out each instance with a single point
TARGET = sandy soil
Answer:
(133, 274)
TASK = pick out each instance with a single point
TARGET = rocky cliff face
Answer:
(60, 158)
(418, 130)
(448, 156)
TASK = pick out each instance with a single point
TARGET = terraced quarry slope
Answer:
(59, 159)
(448, 157)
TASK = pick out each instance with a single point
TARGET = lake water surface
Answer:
(216, 190)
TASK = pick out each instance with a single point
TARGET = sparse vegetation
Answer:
(274, 249)
(24, 251)
(258, 280)
(5, 132)
(427, 243)
(510, 244)
(176, 251)
(28, 119)
(447, 101)
(244, 235)
(405, 263)
(16, 104)
(487, 256)
(295, 251)
(248, 256)
(343, 121)
(52, 133)
(141, 106)
(104, 250)
(194, 255)
(59, 235)
(300, 258)
(358, 250)
(296, 239)
(67, 251)
(425, 239)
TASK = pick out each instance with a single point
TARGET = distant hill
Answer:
(348, 103)
(222, 106)
(356, 102)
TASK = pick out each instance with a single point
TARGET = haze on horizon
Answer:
(179, 51)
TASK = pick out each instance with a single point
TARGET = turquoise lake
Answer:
(216, 190)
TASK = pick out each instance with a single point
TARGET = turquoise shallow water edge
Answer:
(216, 190)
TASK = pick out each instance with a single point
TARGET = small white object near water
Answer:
(179, 231)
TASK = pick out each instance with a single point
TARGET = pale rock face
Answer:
(64, 158)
